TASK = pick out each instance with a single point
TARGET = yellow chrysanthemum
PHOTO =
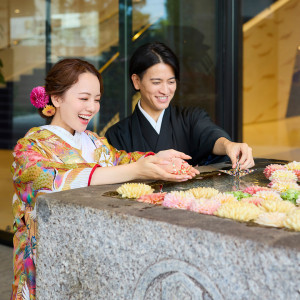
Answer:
(225, 198)
(274, 219)
(295, 165)
(282, 186)
(277, 206)
(283, 175)
(134, 190)
(268, 195)
(292, 220)
(182, 194)
(240, 211)
(49, 110)
(203, 192)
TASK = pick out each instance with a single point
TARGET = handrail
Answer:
(134, 38)
(109, 62)
(138, 34)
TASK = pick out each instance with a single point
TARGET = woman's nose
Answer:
(91, 105)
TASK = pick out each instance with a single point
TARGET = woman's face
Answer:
(78, 105)
(157, 88)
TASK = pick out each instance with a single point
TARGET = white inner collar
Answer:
(154, 124)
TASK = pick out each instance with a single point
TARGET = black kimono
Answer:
(189, 130)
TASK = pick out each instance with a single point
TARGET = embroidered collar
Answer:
(72, 140)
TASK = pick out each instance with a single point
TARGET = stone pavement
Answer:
(6, 271)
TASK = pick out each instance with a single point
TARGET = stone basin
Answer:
(94, 245)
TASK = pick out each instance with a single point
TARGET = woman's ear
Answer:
(56, 100)
(136, 81)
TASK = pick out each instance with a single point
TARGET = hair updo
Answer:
(63, 75)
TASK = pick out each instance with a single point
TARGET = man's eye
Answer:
(156, 82)
(172, 82)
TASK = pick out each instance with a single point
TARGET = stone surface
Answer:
(92, 246)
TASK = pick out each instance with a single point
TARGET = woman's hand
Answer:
(176, 165)
(236, 151)
(153, 167)
(157, 167)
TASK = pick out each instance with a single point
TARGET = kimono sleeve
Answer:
(35, 170)
(109, 155)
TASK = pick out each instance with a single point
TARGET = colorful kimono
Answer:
(44, 163)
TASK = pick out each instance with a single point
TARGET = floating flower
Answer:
(224, 198)
(268, 195)
(282, 186)
(271, 168)
(39, 97)
(292, 220)
(155, 198)
(274, 219)
(134, 190)
(203, 192)
(254, 189)
(283, 175)
(180, 200)
(277, 206)
(239, 195)
(49, 110)
(254, 200)
(292, 195)
(204, 206)
(240, 211)
(295, 167)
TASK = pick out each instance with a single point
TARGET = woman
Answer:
(64, 155)
(156, 125)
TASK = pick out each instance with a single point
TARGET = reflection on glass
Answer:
(191, 36)
(83, 28)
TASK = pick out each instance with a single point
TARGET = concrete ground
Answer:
(6, 271)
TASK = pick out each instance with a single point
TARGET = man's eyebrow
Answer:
(161, 79)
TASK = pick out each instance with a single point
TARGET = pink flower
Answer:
(38, 97)
(254, 200)
(297, 172)
(254, 189)
(205, 206)
(179, 200)
(271, 168)
(155, 198)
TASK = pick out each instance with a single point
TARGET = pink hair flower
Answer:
(39, 97)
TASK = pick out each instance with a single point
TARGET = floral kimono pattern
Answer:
(44, 163)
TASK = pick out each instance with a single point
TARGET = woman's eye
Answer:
(83, 99)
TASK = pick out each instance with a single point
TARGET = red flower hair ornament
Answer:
(40, 99)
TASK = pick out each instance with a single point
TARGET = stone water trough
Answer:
(95, 246)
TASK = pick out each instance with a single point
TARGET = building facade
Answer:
(239, 61)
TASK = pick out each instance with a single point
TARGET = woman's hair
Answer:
(151, 54)
(63, 75)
